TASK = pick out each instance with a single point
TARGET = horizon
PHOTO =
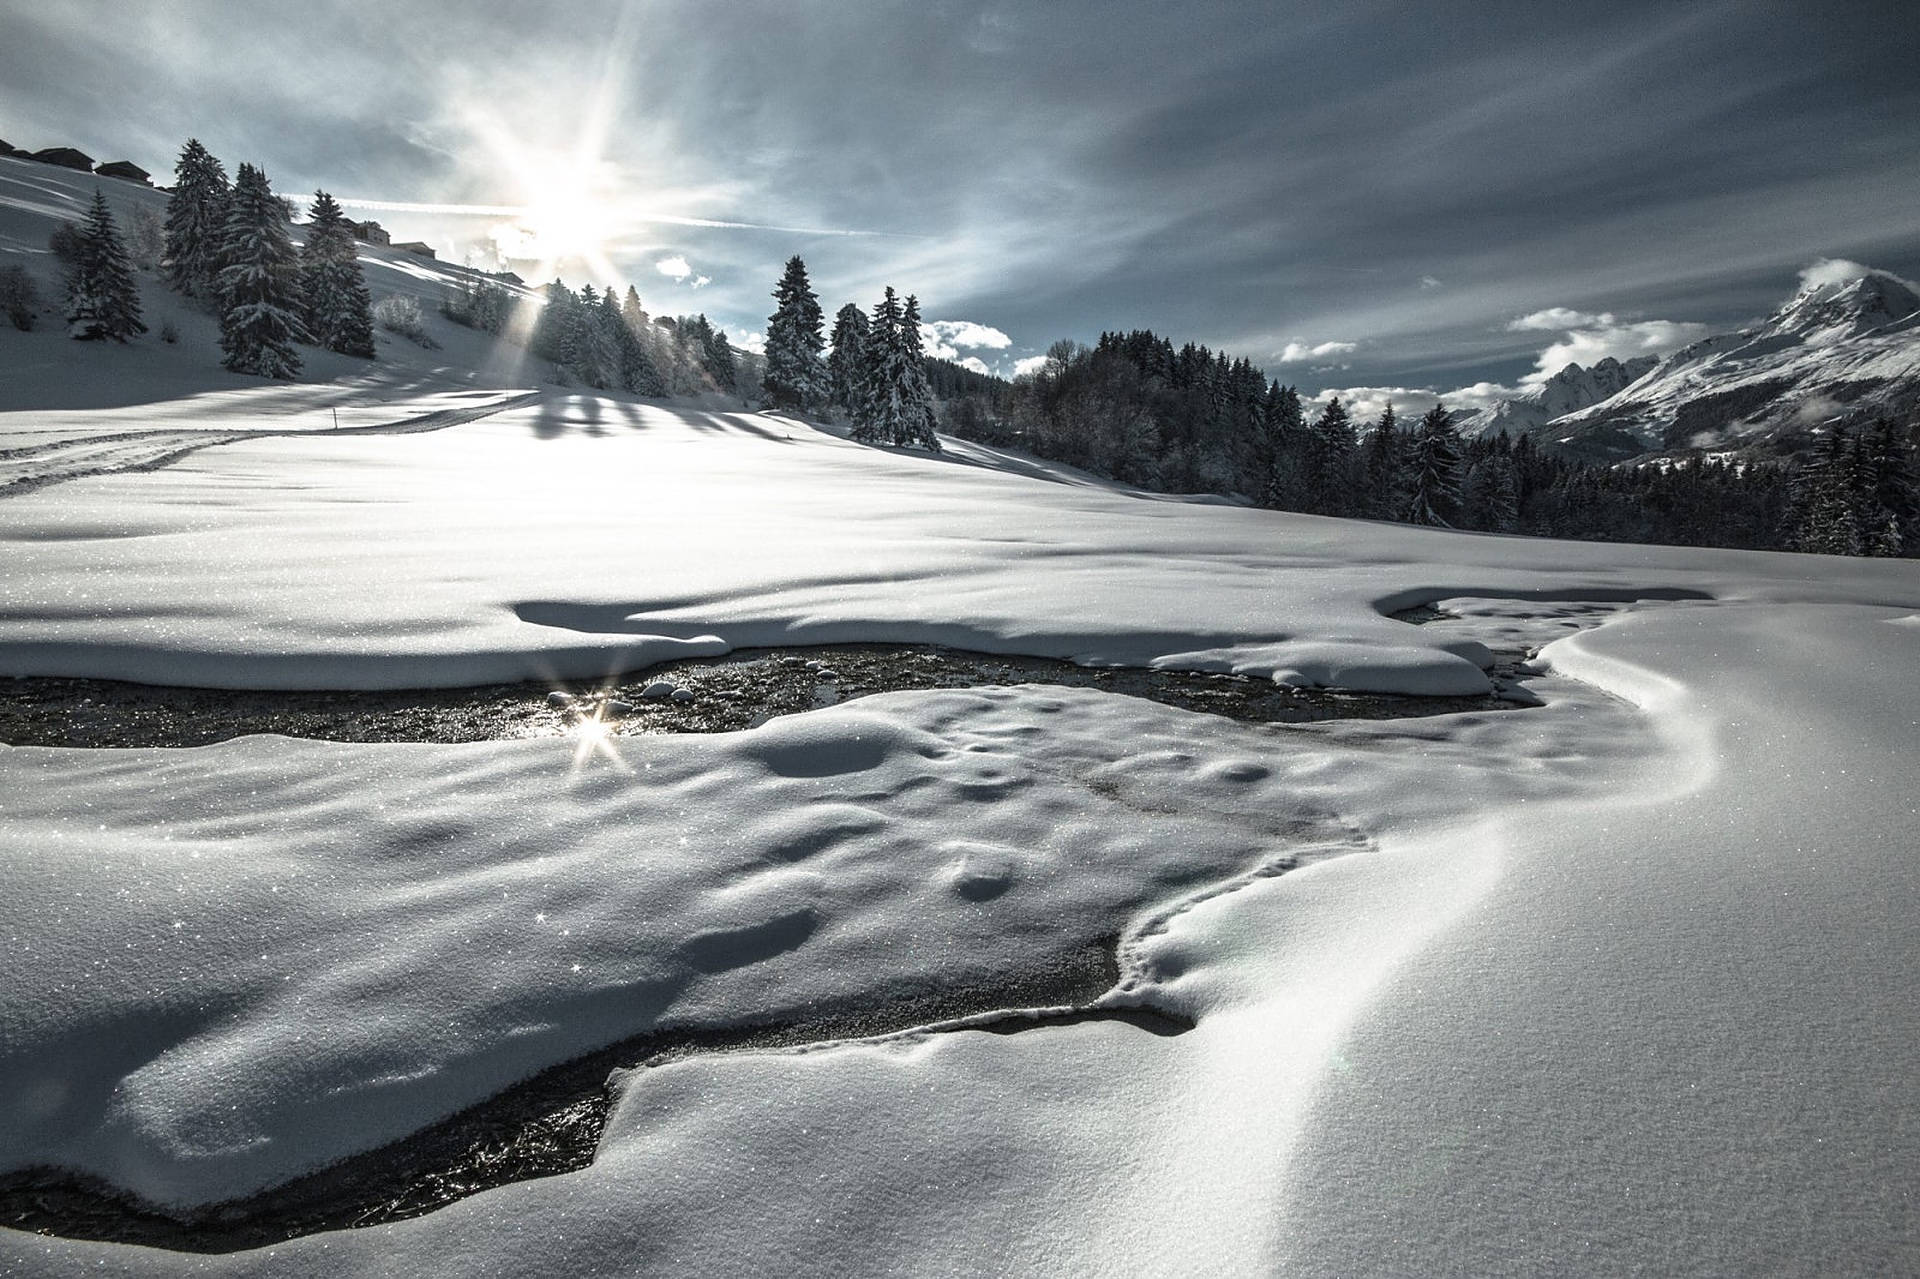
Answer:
(1371, 202)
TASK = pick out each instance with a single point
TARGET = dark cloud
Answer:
(1405, 178)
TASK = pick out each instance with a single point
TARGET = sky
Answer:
(1365, 197)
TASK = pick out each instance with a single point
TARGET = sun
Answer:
(570, 213)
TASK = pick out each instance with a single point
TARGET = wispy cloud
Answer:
(1302, 352)
(1831, 271)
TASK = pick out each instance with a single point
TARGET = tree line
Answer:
(604, 339)
(1139, 410)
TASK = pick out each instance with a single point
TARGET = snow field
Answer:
(1616, 985)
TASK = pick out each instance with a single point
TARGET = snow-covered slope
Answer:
(46, 373)
(1834, 348)
(1572, 388)
(1621, 984)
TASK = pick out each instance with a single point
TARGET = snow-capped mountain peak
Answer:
(1845, 344)
(1833, 311)
(1571, 389)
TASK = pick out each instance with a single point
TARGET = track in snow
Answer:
(37, 466)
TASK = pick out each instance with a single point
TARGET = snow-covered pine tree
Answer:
(1826, 499)
(102, 299)
(918, 416)
(844, 367)
(551, 337)
(196, 222)
(1330, 450)
(259, 282)
(1284, 426)
(636, 372)
(647, 371)
(1433, 467)
(1892, 489)
(339, 310)
(1490, 496)
(796, 375)
(1382, 460)
(877, 420)
(719, 360)
(593, 353)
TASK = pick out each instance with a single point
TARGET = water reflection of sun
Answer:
(593, 735)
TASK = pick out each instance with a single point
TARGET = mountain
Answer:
(1837, 348)
(1571, 389)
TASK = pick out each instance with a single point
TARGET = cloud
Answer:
(1366, 403)
(1556, 319)
(702, 281)
(1429, 282)
(754, 342)
(1031, 364)
(1831, 271)
(675, 267)
(967, 334)
(1300, 352)
(1593, 336)
(1619, 341)
(975, 363)
(945, 339)
(1481, 395)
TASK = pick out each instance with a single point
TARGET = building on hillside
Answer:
(506, 277)
(126, 169)
(418, 247)
(7, 148)
(66, 158)
(369, 232)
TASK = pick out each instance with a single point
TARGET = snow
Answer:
(686, 533)
(1620, 984)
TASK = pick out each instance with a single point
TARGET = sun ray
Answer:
(594, 736)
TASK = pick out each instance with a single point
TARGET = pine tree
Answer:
(918, 418)
(650, 375)
(1382, 461)
(716, 354)
(1490, 498)
(879, 414)
(1285, 428)
(259, 282)
(796, 375)
(1330, 451)
(1434, 470)
(102, 299)
(196, 222)
(1826, 503)
(592, 352)
(552, 335)
(1892, 492)
(845, 380)
(339, 311)
(637, 371)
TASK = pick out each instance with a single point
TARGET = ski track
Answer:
(37, 466)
